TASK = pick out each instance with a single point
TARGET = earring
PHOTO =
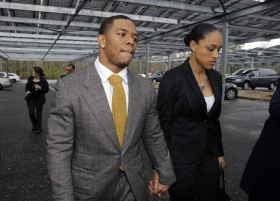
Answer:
(102, 46)
(193, 50)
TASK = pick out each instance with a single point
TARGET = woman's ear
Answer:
(193, 45)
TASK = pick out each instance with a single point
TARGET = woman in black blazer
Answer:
(261, 177)
(189, 106)
(36, 87)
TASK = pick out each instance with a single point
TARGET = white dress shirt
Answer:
(104, 74)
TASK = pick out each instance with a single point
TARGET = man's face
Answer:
(119, 44)
(69, 70)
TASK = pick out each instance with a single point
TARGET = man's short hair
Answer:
(72, 66)
(108, 23)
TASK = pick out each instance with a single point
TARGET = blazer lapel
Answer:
(214, 84)
(199, 101)
(96, 99)
(134, 109)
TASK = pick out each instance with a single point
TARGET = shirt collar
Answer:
(105, 73)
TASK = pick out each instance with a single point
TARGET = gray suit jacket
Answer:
(83, 152)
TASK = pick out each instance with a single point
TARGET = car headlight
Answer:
(238, 80)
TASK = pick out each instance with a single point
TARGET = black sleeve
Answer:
(29, 85)
(166, 100)
(274, 108)
(44, 86)
(217, 125)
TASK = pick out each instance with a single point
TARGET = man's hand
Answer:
(28, 92)
(156, 188)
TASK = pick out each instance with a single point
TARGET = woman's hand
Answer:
(222, 162)
(28, 92)
(37, 86)
(157, 188)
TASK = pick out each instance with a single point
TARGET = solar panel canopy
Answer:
(66, 30)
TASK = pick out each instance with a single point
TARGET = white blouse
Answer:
(209, 102)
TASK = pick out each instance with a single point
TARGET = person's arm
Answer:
(60, 140)
(274, 108)
(218, 131)
(166, 99)
(44, 87)
(29, 85)
(155, 145)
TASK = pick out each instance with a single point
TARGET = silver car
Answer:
(5, 82)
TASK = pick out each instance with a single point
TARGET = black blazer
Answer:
(43, 84)
(261, 177)
(187, 127)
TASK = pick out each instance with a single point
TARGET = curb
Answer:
(253, 98)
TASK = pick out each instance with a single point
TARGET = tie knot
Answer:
(115, 79)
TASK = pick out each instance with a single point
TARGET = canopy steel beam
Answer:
(250, 40)
(71, 11)
(22, 35)
(253, 29)
(96, 26)
(175, 5)
(216, 19)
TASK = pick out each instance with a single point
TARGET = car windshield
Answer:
(246, 72)
(155, 72)
(239, 72)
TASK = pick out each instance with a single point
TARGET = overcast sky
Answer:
(264, 44)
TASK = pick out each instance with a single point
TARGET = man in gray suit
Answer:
(85, 157)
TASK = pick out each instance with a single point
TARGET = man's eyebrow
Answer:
(122, 29)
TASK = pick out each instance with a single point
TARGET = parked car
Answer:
(156, 76)
(231, 91)
(231, 78)
(261, 77)
(5, 83)
(4, 74)
(14, 77)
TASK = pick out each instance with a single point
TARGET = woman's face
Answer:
(35, 74)
(207, 50)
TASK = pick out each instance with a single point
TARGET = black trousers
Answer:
(36, 118)
(197, 181)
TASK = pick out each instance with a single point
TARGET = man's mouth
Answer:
(129, 51)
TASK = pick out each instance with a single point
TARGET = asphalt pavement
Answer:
(23, 174)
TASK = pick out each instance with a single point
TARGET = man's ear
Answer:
(101, 40)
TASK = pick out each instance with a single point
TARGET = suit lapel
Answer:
(96, 98)
(198, 102)
(134, 109)
(215, 88)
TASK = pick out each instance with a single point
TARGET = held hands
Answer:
(222, 162)
(156, 188)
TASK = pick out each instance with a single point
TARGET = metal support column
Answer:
(140, 70)
(252, 62)
(1, 65)
(224, 56)
(216, 64)
(169, 61)
(147, 57)
(166, 66)
(6, 66)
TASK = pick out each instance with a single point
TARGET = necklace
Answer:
(202, 86)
